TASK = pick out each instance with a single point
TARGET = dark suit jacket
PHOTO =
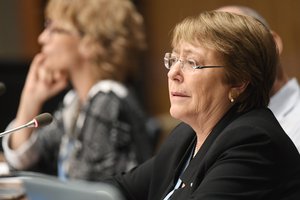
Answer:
(246, 156)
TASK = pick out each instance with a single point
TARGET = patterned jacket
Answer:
(111, 135)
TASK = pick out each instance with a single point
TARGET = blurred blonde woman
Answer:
(100, 129)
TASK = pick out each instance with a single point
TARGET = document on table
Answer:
(11, 188)
(4, 170)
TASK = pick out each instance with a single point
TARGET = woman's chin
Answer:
(175, 113)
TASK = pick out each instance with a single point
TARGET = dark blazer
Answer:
(246, 156)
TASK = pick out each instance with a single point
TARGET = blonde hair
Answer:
(246, 46)
(114, 26)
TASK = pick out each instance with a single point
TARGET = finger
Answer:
(35, 65)
(58, 85)
(57, 75)
(45, 76)
(37, 61)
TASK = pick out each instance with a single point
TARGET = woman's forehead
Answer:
(192, 48)
(59, 21)
(187, 47)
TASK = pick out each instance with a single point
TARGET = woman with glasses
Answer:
(100, 129)
(229, 144)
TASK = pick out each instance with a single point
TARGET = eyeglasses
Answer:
(52, 29)
(186, 65)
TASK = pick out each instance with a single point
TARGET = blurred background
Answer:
(22, 21)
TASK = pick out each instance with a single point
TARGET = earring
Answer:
(231, 98)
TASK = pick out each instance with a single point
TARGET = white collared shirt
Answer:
(285, 105)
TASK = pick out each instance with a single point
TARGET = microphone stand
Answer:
(32, 123)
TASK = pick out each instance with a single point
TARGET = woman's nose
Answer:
(175, 72)
(43, 37)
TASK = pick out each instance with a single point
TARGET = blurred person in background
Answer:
(100, 128)
(285, 94)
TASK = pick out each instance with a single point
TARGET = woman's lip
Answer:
(178, 94)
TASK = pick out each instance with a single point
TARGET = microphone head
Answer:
(2, 88)
(43, 119)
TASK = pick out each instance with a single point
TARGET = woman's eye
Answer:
(191, 63)
(173, 61)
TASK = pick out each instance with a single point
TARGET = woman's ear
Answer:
(89, 49)
(236, 90)
(84, 48)
(278, 41)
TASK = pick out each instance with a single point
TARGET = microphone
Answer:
(2, 88)
(39, 121)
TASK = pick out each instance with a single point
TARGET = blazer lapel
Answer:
(183, 152)
(196, 168)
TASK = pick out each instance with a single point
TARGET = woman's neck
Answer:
(82, 83)
(204, 124)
